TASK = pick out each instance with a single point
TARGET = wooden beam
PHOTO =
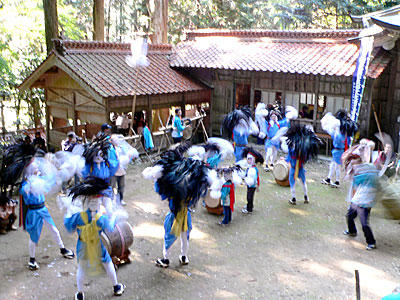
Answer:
(47, 120)
(62, 97)
(74, 114)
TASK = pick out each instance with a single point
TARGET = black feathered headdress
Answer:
(100, 144)
(303, 142)
(257, 155)
(233, 118)
(183, 180)
(347, 125)
(91, 186)
(14, 159)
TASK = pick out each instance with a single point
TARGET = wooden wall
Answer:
(224, 84)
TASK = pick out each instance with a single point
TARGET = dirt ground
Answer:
(278, 252)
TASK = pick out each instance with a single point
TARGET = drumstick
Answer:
(377, 123)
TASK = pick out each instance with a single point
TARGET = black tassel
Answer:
(347, 125)
(303, 141)
(233, 118)
(91, 186)
(100, 144)
(183, 180)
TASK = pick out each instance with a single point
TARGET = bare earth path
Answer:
(279, 252)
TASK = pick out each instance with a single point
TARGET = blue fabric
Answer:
(392, 297)
(103, 222)
(148, 140)
(239, 139)
(169, 238)
(339, 141)
(35, 217)
(214, 160)
(178, 132)
(225, 197)
(106, 169)
(302, 176)
(227, 215)
(271, 132)
(291, 158)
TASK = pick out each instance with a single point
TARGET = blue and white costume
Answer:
(76, 223)
(36, 215)
(240, 139)
(92, 255)
(184, 230)
(295, 162)
(103, 169)
(272, 144)
(341, 128)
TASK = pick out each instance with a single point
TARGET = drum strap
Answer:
(90, 236)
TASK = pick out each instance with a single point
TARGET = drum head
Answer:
(281, 171)
(211, 202)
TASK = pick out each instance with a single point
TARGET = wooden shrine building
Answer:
(85, 81)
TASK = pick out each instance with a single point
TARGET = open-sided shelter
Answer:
(85, 81)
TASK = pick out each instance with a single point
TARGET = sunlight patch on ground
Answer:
(147, 207)
(157, 231)
(295, 282)
(309, 180)
(198, 235)
(371, 279)
(148, 230)
(222, 294)
(317, 268)
(299, 212)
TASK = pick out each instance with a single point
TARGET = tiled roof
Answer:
(102, 66)
(318, 52)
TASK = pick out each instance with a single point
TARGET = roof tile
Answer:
(317, 52)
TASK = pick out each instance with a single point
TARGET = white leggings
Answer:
(110, 270)
(270, 156)
(184, 246)
(56, 236)
(334, 167)
(293, 189)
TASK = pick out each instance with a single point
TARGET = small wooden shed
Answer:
(86, 80)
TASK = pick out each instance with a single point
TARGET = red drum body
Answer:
(117, 242)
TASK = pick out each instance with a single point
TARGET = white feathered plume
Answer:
(330, 124)
(291, 113)
(139, 54)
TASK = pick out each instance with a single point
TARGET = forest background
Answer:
(23, 42)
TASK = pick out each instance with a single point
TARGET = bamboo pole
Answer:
(377, 123)
(358, 290)
(134, 101)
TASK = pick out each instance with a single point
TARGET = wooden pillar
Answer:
(316, 91)
(369, 87)
(47, 119)
(183, 105)
(252, 91)
(149, 113)
(234, 91)
(75, 115)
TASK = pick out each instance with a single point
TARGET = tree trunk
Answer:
(50, 22)
(160, 22)
(109, 20)
(98, 20)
